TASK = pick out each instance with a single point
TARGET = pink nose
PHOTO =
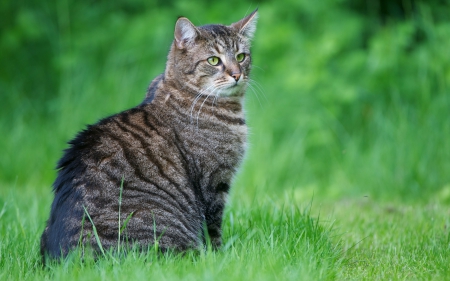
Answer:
(236, 76)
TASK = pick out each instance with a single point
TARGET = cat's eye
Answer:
(240, 57)
(213, 60)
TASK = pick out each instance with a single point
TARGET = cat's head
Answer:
(213, 59)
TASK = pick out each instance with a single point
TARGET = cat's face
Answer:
(214, 60)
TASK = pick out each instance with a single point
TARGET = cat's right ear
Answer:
(185, 33)
(247, 25)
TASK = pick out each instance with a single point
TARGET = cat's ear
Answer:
(185, 33)
(247, 25)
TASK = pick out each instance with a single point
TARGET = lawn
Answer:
(346, 176)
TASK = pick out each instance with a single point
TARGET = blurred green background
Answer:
(351, 98)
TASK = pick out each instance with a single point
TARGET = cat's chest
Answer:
(214, 153)
(217, 142)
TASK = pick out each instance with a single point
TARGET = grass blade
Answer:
(94, 229)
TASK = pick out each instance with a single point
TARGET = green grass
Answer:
(392, 241)
(346, 177)
(263, 241)
(269, 239)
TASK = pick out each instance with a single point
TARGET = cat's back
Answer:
(103, 143)
(136, 145)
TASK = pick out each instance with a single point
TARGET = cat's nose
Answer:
(236, 76)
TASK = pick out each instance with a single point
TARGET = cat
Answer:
(169, 161)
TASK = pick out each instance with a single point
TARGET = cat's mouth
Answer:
(232, 89)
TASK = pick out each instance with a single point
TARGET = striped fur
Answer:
(176, 153)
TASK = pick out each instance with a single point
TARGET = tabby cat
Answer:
(166, 164)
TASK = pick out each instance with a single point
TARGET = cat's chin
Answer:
(234, 90)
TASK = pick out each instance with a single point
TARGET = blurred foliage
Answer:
(351, 97)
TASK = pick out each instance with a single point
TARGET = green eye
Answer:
(240, 57)
(213, 60)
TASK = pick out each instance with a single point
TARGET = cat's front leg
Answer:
(214, 224)
(214, 215)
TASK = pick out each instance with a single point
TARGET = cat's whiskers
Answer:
(258, 86)
(231, 88)
(210, 93)
(256, 94)
(256, 89)
(259, 67)
(197, 97)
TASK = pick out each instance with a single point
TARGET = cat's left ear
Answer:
(247, 25)
(185, 33)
